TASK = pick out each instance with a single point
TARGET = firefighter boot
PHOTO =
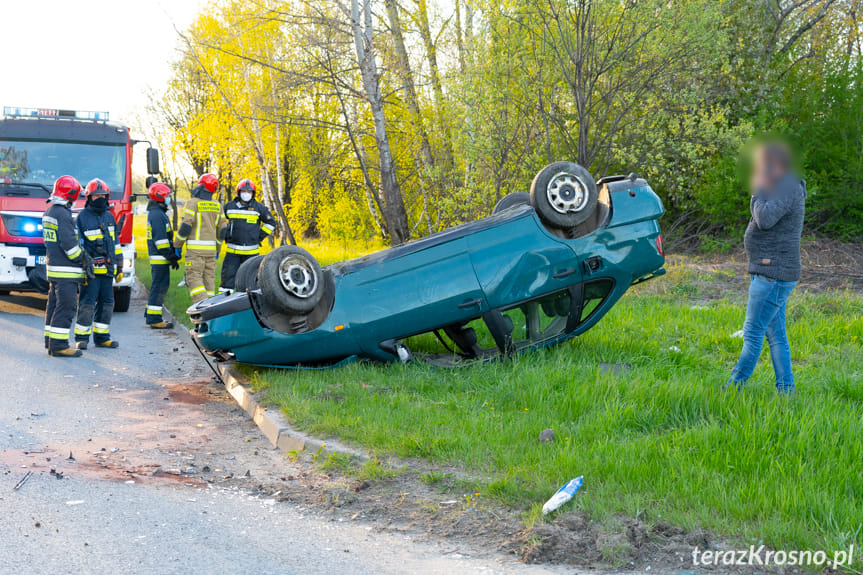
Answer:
(162, 325)
(67, 352)
(111, 344)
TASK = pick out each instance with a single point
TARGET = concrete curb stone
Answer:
(271, 423)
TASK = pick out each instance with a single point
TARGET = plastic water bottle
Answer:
(563, 495)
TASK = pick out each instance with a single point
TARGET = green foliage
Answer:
(478, 96)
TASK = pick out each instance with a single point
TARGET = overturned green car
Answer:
(543, 268)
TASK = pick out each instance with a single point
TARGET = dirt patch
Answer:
(625, 543)
(111, 465)
(826, 265)
(196, 393)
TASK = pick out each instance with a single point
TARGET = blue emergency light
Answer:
(54, 113)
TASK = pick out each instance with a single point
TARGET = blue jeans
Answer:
(765, 316)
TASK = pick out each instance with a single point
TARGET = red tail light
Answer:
(659, 247)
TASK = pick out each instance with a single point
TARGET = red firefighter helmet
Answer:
(67, 187)
(159, 192)
(246, 186)
(96, 186)
(210, 182)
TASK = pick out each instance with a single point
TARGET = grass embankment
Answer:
(659, 441)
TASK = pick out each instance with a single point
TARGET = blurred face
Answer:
(767, 167)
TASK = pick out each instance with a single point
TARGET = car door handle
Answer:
(470, 303)
(564, 273)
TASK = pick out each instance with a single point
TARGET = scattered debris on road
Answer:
(24, 479)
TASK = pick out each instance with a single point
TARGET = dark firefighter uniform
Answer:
(160, 238)
(65, 267)
(248, 225)
(202, 230)
(97, 230)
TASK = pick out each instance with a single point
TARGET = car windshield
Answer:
(40, 163)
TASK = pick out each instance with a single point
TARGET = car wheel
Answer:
(291, 280)
(247, 274)
(122, 298)
(564, 195)
(4, 292)
(511, 200)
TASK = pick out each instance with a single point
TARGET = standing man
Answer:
(772, 244)
(202, 231)
(65, 266)
(160, 237)
(249, 223)
(96, 228)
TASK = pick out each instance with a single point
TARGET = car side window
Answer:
(595, 293)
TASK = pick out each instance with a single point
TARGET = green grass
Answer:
(660, 442)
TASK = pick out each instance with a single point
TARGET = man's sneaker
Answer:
(68, 352)
(109, 344)
(162, 325)
(81, 344)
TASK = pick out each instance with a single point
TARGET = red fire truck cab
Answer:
(36, 147)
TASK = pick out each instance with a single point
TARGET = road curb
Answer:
(271, 423)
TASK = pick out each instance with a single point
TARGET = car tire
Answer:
(247, 274)
(511, 200)
(122, 298)
(564, 195)
(291, 280)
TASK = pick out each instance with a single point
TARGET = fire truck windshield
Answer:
(39, 162)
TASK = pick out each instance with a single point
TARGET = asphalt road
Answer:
(148, 433)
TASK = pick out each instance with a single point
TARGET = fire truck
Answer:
(36, 147)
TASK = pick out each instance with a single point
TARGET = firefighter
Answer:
(97, 230)
(202, 230)
(65, 267)
(249, 223)
(160, 237)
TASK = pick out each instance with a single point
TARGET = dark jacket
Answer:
(96, 228)
(64, 253)
(772, 237)
(248, 225)
(160, 234)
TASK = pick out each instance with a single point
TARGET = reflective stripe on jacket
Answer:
(160, 234)
(99, 239)
(62, 248)
(248, 225)
(204, 217)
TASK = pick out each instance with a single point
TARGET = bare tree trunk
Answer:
(408, 87)
(280, 180)
(266, 180)
(371, 193)
(466, 58)
(394, 206)
(437, 88)
(254, 136)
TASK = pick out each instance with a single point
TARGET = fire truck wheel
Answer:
(122, 297)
